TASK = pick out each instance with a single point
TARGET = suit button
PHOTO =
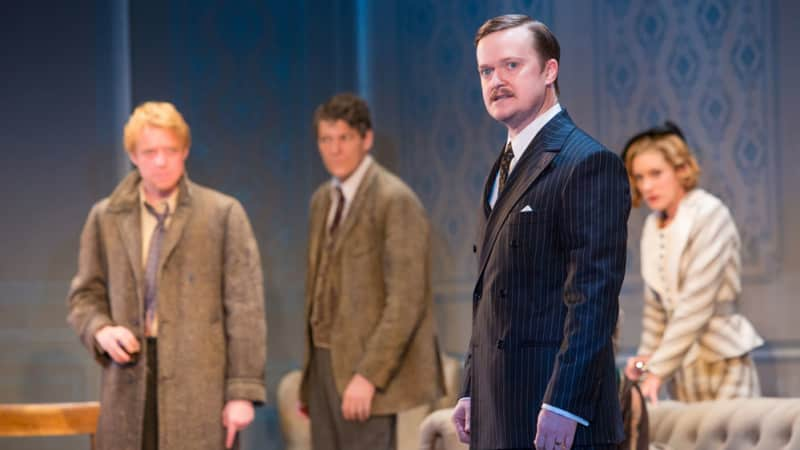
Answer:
(500, 344)
(502, 293)
(474, 248)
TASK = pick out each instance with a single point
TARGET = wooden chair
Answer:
(49, 419)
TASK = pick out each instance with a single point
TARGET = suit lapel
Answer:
(537, 157)
(486, 210)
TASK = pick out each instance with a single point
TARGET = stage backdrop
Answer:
(247, 76)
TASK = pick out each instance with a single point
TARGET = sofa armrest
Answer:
(437, 432)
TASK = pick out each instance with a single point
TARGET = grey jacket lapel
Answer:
(319, 216)
(363, 193)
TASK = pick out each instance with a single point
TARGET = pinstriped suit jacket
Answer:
(546, 299)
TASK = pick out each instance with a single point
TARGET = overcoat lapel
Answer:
(129, 226)
(183, 211)
(123, 204)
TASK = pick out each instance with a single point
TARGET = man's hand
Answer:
(461, 419)
(118, 342)
(650, 387)
(236, 416)
(636, 367)
(357, 399)
(554, 432)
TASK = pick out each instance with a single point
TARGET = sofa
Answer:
(295, 427)
(739, 424)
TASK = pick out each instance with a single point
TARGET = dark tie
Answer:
(337, 216)
(505, 164)
(151, 268)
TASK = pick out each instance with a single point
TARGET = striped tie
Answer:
(505, 164)
(151, 268)
(337, 216)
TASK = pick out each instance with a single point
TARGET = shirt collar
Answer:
(171, 201)
(350, 185)
(521, 141)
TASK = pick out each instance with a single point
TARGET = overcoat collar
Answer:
(124, 206)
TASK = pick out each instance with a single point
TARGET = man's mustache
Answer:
(500, 92)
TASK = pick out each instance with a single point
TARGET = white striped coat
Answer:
(691, 272)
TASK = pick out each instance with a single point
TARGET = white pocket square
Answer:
(527, 208)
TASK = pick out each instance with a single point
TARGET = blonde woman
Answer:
(693, 337)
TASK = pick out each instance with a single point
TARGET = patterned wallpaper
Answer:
(710, 66)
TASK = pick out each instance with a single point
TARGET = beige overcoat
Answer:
(212, 330)
(384, 326)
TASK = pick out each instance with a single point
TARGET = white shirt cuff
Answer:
(566, 414)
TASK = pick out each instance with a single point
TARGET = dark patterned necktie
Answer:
(337, 216)
(505, 164)
(151, 268)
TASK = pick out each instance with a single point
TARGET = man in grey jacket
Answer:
(371, 350)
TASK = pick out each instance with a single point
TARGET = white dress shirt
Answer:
(521, 141)
(349, 188)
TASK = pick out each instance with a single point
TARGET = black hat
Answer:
(666, 129)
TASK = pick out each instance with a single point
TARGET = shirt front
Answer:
(349, 188)
(149, 223)
(521, 141)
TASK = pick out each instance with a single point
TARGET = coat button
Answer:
(476, 296)
(502, 293)
(474, 248)
(514, 243)
(500, 344)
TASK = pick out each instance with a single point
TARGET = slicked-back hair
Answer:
(348, 107)
(543, 40)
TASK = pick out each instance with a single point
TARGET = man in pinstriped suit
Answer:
(551, 259)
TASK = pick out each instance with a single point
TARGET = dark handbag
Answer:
(634, 416)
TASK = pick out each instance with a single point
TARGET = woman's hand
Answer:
(636, 367)
(650, 387)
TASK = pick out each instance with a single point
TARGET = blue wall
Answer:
(248, 74)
